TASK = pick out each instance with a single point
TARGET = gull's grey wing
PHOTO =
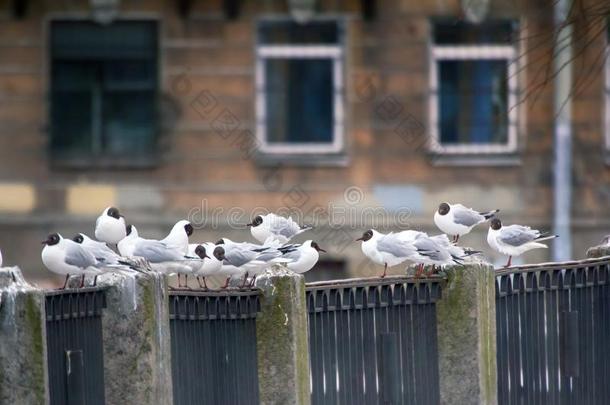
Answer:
(238, 256)
(395, 246)
(292, 255)
(428, 247)
(284, 227)
(79, 257)
(466, 216)
(156, 251)
(268, 255)
(516, 235)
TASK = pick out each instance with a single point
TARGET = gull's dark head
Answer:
(78, 238)
(256, 221)
(188, 228)
(128, 229)
(220, 242)
(200, 251)
(443, 208)
(52, 239)
(496, 224)
(317, 247)
(219, 253)
(114, 213)
(366, 236)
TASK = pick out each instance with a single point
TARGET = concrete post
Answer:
(598, 251)
(282, 344)
(137, 351)
(23, 346)
(466, 324)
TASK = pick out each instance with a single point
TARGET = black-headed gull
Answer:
(104, 255)
(279, 228)
(178, 237)
(212, 257)
(66, 257)
(110, 226)
(388, 250)
(301, 258)
(438, 251)
(514, 240)
(456, 220)
(127, 244)
(245, 258)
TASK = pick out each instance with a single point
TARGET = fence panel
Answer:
(374, 341)
(74, 346)
(213, 343)
(553, 323)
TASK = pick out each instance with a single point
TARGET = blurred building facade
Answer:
(347, 114)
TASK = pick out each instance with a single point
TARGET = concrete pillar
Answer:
(23, 346)
(282, 344)
(598, 251)
(466, 324)
(137, 351)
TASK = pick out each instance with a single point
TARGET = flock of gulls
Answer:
(119, 247)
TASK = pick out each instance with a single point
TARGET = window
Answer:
(103, 86)
(473, 88)
(299, 87)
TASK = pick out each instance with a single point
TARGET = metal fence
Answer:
(213, 343)
(374, 341)
(553, 333)
(74, 346)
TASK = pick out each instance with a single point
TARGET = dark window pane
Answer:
(71, 113)
(291, 33)
(461, 32)
(473, 101)
(103, 88)
(299, 100)
(128, 123)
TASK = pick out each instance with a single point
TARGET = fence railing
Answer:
(213, 344)
(553, 328)
(74, 346)
(374, 341)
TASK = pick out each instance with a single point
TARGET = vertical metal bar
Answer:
(389, 369)
(570, 343)
(368, 346)
(75, 379)
(501, 342)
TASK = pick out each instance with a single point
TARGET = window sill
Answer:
(60, 161)
(302, 159)
(475, 159)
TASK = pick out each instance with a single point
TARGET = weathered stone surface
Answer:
(137, 351)
(23, 348)
(598, 251)
(466, 323)
(282, 345)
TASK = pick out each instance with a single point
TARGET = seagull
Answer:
(104, 255)
(438, 251)
(388, 250)
(127, 244)
(110, 226)
(301, 258)
(212, 257)
(270, 225)
(66, 257)
(457, 220)
(179, 236)
(246, 258)
(514, 240)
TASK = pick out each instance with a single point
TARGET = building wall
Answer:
(203, 173)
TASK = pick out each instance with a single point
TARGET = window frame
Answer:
(335, 53)
(61, 161)
(507, 53)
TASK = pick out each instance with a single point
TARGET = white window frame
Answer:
(473, 52)
(332, 52)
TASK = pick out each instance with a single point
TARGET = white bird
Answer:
(438, 251)
(178, 237)
(244, 258)
(514, 240)
(456, 220)
(66, 257)
(212, 257)
(270, 225)
(301, 258)
(110, 226)
(388, 250)
(105, 256)
(127, 244)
